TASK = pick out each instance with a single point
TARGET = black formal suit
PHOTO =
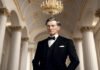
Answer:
(54, 57)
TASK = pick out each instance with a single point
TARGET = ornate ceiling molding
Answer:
(83, 6)
(19, 9)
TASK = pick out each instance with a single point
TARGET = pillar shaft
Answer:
(15, 49)
(24, 54)
(90, 57)
(3, 20)
(79, 49)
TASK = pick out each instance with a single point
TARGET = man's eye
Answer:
(48, 26)
(52, 25)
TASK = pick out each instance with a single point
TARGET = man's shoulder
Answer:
(42, 41)
(65, 38)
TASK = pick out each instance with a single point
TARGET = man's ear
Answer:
(59, 27)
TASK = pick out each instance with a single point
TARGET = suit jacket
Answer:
(54, 57)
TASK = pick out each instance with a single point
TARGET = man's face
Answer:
(52, 27)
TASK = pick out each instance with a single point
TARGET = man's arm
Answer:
(36, 59)
(73, 56)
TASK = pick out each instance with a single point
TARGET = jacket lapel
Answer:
(56, 42)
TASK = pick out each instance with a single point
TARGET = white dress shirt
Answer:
(50, 42)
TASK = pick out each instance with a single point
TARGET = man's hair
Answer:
(52, 19)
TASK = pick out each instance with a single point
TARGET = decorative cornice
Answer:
(77, 39)
(97, 13)
(15, 28)
(86, 28)
(4, 11)
(25, 38)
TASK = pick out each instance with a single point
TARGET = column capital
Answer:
(4, 11)
(15, 28)
(98, 13)
(77, 39)
(25, 38)
(86, 28)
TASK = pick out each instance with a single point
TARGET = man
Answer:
(51, 53)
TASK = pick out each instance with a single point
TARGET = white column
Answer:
(79, 49)
(24, 54)
(3, 20)
(31, 58)
(90, 57)
(15, 48)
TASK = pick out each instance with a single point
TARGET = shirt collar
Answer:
(56, 35)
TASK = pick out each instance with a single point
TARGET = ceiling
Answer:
(76, 13)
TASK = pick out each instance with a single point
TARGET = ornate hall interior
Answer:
(22, 25)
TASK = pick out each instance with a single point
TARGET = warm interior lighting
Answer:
(96, 19)
(8, 24)
(52, 7)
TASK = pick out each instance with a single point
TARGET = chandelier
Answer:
(52, 7)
